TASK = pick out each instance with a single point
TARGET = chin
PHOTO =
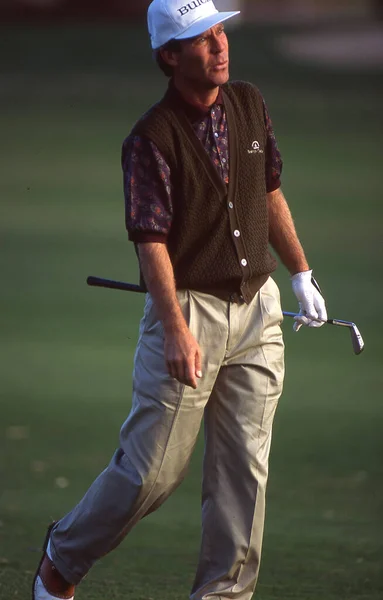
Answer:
(219, 78)
(225, 78)
(222, 77)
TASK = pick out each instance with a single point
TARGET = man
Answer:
(203, 200)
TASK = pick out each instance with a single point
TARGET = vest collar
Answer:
(193, 112)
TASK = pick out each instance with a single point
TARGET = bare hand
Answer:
(183, 356)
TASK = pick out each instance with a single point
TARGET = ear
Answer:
(170, 57)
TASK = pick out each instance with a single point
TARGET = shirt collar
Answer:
(192, 111)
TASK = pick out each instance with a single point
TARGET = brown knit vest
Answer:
(205, 249)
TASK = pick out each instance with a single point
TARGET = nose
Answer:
(218, 43)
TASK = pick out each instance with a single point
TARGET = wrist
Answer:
(174, 323)
(304, 275)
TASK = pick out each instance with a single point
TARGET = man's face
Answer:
(204, 61)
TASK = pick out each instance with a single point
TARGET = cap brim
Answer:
(205, 24)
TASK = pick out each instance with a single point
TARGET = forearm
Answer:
(282, 234)
(159, 278)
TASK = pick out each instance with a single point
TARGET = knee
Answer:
(157, 479)
(163, 488)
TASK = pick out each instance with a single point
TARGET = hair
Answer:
(171, 46)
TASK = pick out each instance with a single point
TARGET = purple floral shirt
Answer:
(147, 186)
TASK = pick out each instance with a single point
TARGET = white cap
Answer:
(180, 19)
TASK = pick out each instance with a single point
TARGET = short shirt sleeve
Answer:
(274, 162)
(147, 191)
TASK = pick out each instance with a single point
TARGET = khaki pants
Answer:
(242, 380)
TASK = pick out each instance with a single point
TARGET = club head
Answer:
(356, 338)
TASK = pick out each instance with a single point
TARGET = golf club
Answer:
(356, 338)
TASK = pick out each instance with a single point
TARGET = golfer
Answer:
(203, 200)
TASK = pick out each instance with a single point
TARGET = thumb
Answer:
(198, 363)
(310, 310)
(297, 326)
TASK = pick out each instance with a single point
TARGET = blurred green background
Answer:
(69, 95)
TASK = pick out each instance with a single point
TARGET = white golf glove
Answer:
(311, 302)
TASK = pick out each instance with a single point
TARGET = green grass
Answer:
(66, 351)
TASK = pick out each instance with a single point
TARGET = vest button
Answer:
(237, 233)
(244, 262)
(231, 205)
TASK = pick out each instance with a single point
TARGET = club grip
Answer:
(114, 285)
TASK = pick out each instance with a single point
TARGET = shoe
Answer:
(48, 583)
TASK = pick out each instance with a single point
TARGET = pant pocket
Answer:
(271, 301)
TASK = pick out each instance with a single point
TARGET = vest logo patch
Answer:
(191, 6)
(255, 148)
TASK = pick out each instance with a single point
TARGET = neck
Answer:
(202, 98)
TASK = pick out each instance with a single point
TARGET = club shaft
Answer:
(132, 287)
(329, 321)
(357, 340)
(114, 285)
